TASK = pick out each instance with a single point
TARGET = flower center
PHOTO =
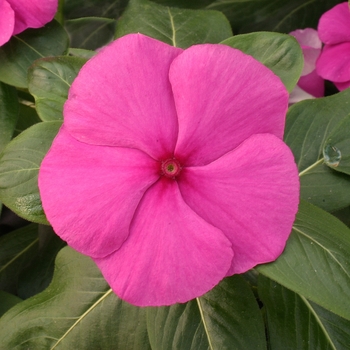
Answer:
(170, 168)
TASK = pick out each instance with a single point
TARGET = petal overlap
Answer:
(251, 194)
(172, 255)
(137, 109)
(90, 193)
(221, 99)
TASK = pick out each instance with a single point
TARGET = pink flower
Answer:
(334, 31)
(169, 169)
(310, 84)
(18, 15)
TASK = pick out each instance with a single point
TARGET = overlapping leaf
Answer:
(316, 261)
(177, 27)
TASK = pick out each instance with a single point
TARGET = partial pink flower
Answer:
(19, 15)
(334, 31)
(170, 170)
(310, 84)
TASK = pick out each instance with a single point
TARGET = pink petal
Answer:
(298, 95)
(90, 193)
(311, 46)
(222, 97)
(334, 25)
(32, 13)
(312, 83)
(334, 62)
(7, 22)
(172, 255)
(342, 86)
(122, 97)
(251, 194)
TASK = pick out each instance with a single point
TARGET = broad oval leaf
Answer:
(174, 26)
(19, 167)
(22, 50)
(336, 150)
(309, 125)
(77, 311)
(49, 81)
(8, 114)
(8, 301)
(279, 52)
(316, 260)
(227, 317)
(17, 249)
(293, 322)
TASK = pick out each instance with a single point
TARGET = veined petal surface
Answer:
(123, 97)
(90, 193)
(7, 22)
(251, 194)
(333, 26)
(221, 98)
(334, 62)
(172, 255)
(32, 13)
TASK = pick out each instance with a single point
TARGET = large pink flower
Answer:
(169, 170)
(334, 31)
(18, 15)
(310, 84)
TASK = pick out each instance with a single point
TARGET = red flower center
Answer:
(171, 168)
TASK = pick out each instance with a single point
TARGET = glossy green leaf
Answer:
(316, 260)
(90, 33)
(17, 249)
(22, 50)
(177, 27)
(19, 167)
(8, 114)
(49, 80)
(293, 322)
(227, 317)
(7, 301)
(309, 125)
(272, 15)
(77, 311)
(279, 52)
(336, 150)
(195, 4)
(27, 116)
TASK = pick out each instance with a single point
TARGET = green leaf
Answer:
(336, 150)
(22, 50)
(49, 80)
(224, 318)
(293, 320)
(316, 260)
(19, 167)
(7, 301)
(177, 27)
(17, 249)
(309, 125)
(279, 52)
(8, 114)
(77, 311)
(27, 116)
(90, 33)
(272, 15)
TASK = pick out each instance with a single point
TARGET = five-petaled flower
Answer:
(18, 15)
(334, 31)
(169, 169)
(310, 84)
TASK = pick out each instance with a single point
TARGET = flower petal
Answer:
(222, 97)
(342, 86)
(312, 83)
(172, 255)
(333, 26)
(7, 21)
(33, 13)
(90, 193)
(251, 194)
(334, 62)
(122, 97)
(298, 95)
